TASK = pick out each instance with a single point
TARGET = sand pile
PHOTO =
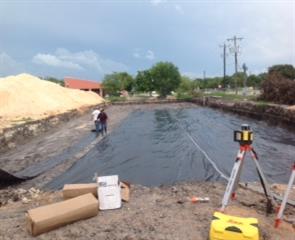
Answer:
(26, 96)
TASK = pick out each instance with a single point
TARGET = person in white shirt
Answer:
(96, 121)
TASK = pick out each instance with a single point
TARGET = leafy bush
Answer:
(279, 85)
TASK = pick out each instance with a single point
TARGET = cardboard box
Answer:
(125, 191)
(75, 190)
(46, 218)
(109, 192)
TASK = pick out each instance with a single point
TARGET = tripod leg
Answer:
(284, 202)
(266, 188)
(236, 184)
(232, 180)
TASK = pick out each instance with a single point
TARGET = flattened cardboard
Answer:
(125, 191)
(109, 192)
(46, 218)
(75, 190)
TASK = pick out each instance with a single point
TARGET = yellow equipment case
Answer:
(225, 227)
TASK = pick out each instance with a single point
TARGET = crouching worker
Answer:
(103, 117)
(96, 122)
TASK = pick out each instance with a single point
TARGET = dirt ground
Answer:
(153, 213)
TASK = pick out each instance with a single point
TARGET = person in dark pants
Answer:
(103, 117)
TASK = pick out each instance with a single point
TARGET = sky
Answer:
(90, 38)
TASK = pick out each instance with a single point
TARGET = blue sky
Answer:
(88, 39)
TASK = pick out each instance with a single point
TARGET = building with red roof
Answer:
(85, 85)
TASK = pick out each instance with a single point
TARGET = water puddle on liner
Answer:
(151, 148)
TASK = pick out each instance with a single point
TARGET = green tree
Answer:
(186, 84)
(187, 88)
(239, 78)
(116, 82)
(144, 82)
(279, 84)
(55, 80)
(254, 80)
(226, 82)
(286, 70)
(166, 77)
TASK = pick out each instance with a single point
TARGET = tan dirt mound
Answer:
(27, 96)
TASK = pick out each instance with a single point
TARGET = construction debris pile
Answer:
(25, 96)
(10, 195)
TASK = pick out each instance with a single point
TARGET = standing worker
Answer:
(96, 122)
(103, 117)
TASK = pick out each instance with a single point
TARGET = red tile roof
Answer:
(71, 82)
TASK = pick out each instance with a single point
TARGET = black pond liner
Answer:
(7, 179)
(151, 148)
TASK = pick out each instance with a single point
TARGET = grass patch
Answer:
(116, 99)
(184, 96)
(229, 96)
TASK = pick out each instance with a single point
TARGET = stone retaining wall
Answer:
(273, 113)
(150, 101)
(270, 112)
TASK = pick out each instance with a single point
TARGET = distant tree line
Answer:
(277, 85)
(163, 77)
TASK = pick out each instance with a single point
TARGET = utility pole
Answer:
(245, 68)
(204, 79)
(235, 49)
(224, 55)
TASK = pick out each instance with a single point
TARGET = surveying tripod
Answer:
(284, 202)
(245, 139)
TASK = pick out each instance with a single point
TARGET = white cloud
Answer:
(150, 55)
(84, 60)
(142, 54)
(54, 61)
(171, 5)
(269, 34)
(8, 65)
(178, 8)
(136, 53)
(191, 75)
(157, 2)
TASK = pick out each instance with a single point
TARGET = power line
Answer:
(235, 49)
